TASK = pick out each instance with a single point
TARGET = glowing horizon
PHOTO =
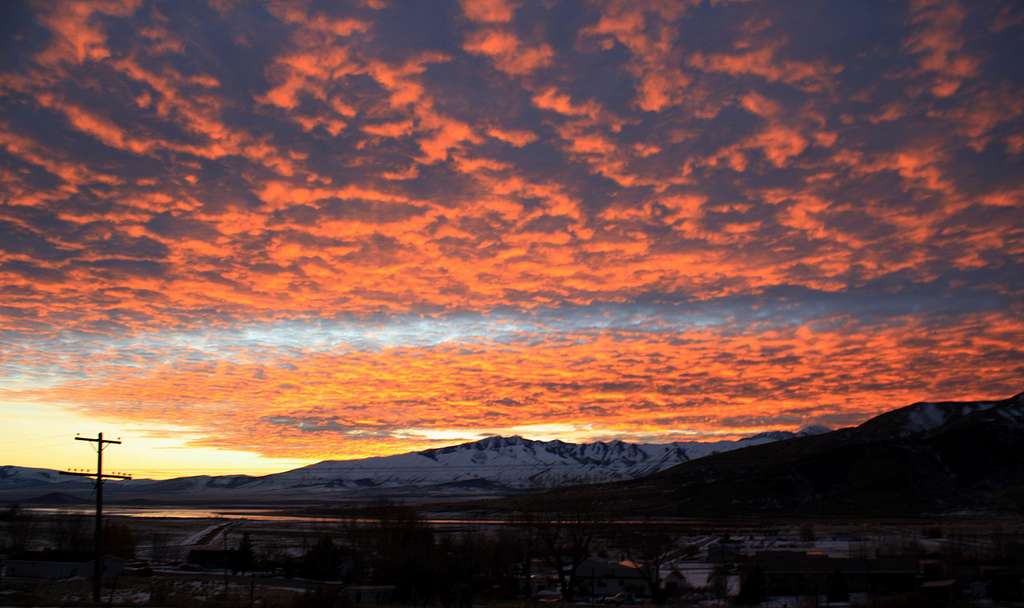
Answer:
(256, 236)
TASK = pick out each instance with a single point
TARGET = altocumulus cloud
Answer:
(391, 224)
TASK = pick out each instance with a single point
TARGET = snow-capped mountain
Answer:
(509, 464)
(491, 464)
(928, 416)
(926, 458)
(514, 462)
(29, 477)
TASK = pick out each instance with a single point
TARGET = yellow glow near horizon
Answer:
(43, 436)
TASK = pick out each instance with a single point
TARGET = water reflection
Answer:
(184, 513)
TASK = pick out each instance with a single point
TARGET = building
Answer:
(790, 573)
(369, 595)
(214, 559)
(601, 578)
(54, 565)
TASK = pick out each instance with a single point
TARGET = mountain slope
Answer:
(499, 464)
(515, 462)
(924, 458)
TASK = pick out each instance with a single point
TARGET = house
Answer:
(58, 565)
(724, 550)
(600, 578)
(213, 559)
(675, 583)
(796, 573)
(369, 595)
(939, 593)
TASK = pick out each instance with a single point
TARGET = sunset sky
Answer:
(245, 236)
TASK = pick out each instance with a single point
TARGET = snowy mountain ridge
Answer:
(490, 464)
(518, 463)
(927, 416)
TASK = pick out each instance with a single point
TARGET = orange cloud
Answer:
(172, 184)
(552, 99)
(100, 128)
(682, 382)
(76, 35)
(938, 42)
(516, 137)
(509, 54)
(488, 11)
(812, 76)
(389, 129)
(648, 31)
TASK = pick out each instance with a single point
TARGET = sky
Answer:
(247, 236)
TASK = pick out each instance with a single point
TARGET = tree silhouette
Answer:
(246, 561)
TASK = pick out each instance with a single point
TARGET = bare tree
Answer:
(21, 527)
(650, 547)
(70, 531)
(565, 534)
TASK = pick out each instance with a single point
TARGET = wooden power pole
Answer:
(99, 476)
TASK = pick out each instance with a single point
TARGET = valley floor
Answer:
(198, 558)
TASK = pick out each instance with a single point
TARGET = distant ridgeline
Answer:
(961, 458)
(485, 467)
(923, 458)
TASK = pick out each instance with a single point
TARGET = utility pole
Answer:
(226, 528)
(99, 476)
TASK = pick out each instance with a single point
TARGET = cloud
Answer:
(560, 378)
(489, 11)
(550, 98)
(509, 54)
(395, 226)
(517, 138)
(76, 32)
(649, 32)
(936, 39)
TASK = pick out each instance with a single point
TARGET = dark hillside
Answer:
(922, 459)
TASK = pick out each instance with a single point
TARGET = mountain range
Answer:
(926, 458)
(923, 459)
(491, 465)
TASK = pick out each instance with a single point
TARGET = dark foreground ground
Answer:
(395, 555)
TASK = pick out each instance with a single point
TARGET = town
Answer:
(511, 304)
(390, 554)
